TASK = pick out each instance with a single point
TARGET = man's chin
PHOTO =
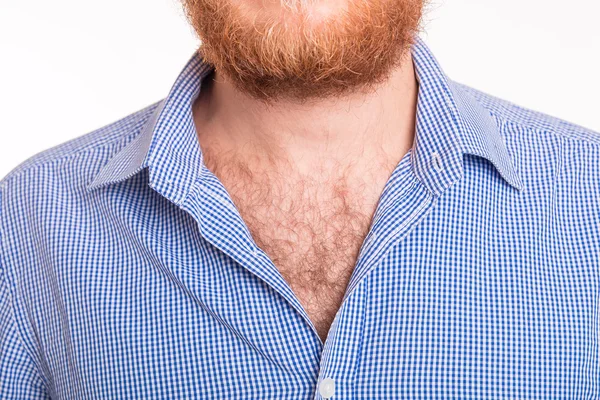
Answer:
(272, 59)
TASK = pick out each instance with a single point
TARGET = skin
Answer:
(306, 171)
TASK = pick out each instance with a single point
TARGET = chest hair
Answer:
(311, 228)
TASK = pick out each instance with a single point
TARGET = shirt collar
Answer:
(452, 123)
(449, 124)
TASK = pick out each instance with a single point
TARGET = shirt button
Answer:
(327, 388)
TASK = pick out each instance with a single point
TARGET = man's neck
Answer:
(349, 131)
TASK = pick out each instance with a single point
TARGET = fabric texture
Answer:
(126, 271)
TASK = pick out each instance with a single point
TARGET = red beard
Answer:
(289, 54)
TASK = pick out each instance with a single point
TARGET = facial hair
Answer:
(295, 57)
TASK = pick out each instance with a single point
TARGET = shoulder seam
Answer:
(554, 132)
(551, 119)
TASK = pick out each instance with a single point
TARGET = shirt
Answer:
(128, 273)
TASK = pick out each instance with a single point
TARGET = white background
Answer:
(68, 67)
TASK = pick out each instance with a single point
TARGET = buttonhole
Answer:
(437, 163)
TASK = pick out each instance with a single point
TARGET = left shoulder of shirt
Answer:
(544, 149)
(549, 154)
(534, 122)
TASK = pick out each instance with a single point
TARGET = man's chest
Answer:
(311, 227)
(314, 247)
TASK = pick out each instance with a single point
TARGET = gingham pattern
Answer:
(127, 272)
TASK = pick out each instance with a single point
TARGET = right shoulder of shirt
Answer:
(96, 147)
(51, 185)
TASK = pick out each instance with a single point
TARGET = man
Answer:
(315, 211)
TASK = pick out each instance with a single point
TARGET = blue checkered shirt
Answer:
(128, 273)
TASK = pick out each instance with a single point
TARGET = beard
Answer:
(291, 50)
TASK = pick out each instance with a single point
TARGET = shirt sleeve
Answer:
(19, 376)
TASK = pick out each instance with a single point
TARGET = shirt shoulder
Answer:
(96, 146)
(558, 161)
(49, 186)
(40, 197)
(529, 120)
